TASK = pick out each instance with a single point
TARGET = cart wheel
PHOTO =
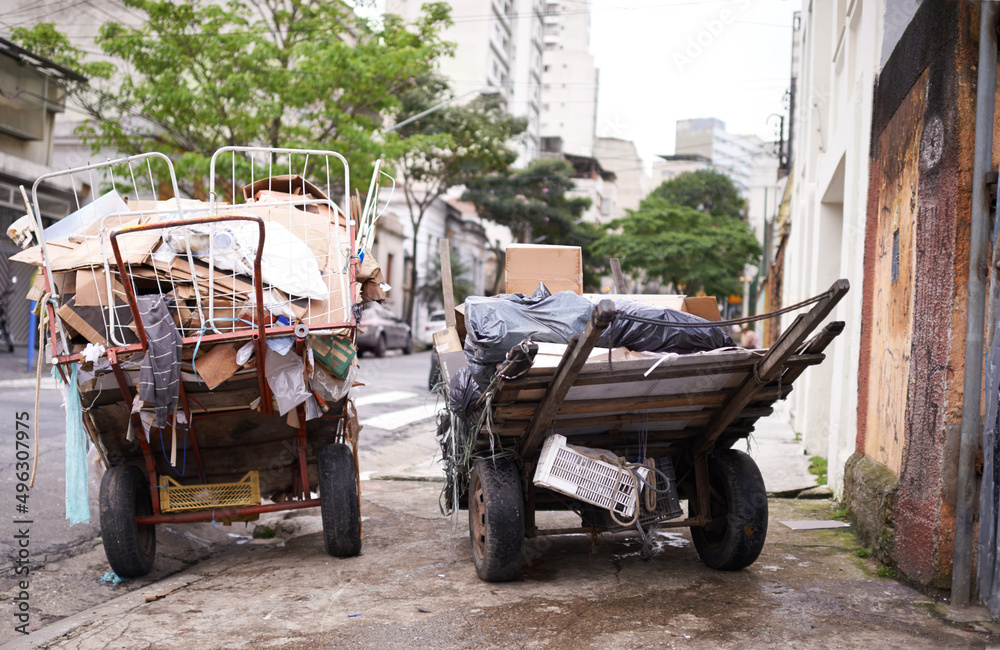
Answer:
(338, 494)
(735, 536)
(380, 347)
(130, 547)
(496, 519)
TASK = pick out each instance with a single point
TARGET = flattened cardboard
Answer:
(335, 353)
(560, 268)
(218, 364)
(92, 288)
(90, 323)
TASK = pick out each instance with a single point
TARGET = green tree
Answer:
(705, 190)
(534, 203)
(690, 249)
(198, 75)
(448, 148)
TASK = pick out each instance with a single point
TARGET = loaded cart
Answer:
(208, 345)
(637, 408)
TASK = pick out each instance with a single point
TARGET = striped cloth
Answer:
(159, 376)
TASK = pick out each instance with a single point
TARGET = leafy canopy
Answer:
(706, 190)
(535, 204)
(198, 75)
(691, 249)
(447, 148)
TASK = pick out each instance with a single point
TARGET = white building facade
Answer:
(837, 54)
(569, 77)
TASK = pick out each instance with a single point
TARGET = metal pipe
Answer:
(976, 305)
(224, 513)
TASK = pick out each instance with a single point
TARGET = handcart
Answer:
(252, 295)
(621, 438)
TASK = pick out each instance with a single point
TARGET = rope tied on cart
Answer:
(43, 320)
(724, 323)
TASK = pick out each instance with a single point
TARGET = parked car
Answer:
(381, 331)
(435, 323)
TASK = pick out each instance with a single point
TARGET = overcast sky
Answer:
(666, 60)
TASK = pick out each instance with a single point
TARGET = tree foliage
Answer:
(198, 75)
(536, 205)
(448, 148)
(693, 250)
(705, 190)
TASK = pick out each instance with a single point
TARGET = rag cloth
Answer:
(159, 376)
(77, 504)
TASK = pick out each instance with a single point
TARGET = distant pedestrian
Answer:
(749, 338)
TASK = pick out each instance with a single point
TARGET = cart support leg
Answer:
(140, 433)
(702, 490)
(301, 440)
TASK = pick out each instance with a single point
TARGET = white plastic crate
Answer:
(566, 470)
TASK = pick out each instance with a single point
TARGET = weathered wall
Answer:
(923, 192)
(891, 276)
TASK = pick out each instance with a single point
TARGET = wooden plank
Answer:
(616, 273)
(520, 390)
(625, 419)
(576, 355)
(771, 365)
(444, 253)
(521, 411)
(815, 345)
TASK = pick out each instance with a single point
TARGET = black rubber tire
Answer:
(338, 494)
(735, 537)
(130, 548)
(380, 346)
(496, 519)
(408, 348)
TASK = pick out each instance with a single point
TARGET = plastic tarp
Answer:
(495, 325)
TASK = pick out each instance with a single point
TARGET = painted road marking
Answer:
(48, 383)
(403, 417)
(383, 398)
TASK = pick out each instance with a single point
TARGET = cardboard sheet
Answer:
(218, 364)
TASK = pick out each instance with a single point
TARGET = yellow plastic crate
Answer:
(175, 497)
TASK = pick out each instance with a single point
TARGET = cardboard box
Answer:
(703, 306)
(560, 268)
(451, 356)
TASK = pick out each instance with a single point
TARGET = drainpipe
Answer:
(976, 305)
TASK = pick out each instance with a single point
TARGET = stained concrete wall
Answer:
(913, 331)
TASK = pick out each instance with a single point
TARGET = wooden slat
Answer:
(519, 390)
(572, 362)
(444, 253)
(771, 365)
(520, 411)
(616, 274)
(624, 419)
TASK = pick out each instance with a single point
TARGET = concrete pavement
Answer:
(414, 585)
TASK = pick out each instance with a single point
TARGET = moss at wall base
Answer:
(869, 493)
